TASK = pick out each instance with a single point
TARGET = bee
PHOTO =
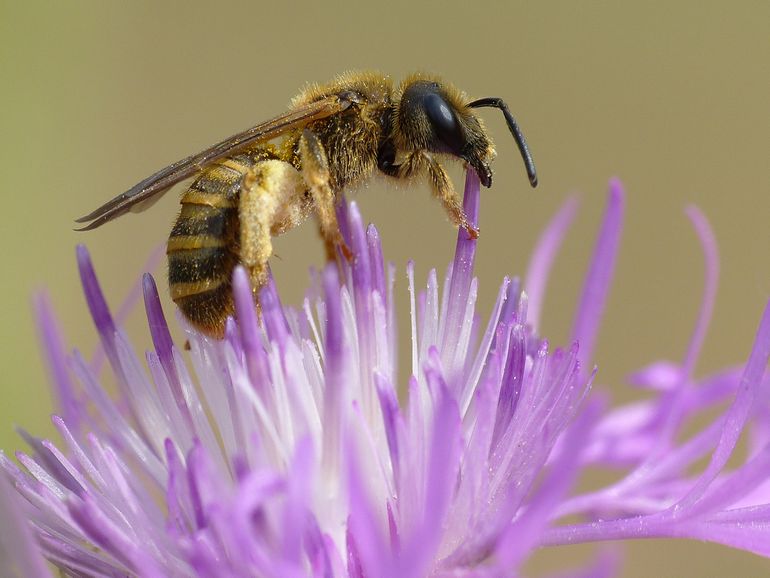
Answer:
(268, 179)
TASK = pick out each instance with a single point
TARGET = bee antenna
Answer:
(492, 102)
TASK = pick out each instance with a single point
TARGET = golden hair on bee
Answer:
(270, 178)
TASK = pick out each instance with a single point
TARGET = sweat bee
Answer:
(252, 186)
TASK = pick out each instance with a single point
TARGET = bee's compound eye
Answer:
(444, 122)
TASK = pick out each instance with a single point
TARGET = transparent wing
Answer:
(154, 185)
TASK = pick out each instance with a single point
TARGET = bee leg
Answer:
(329, 247)
(418, 162)
(315, 172)
(443, 189)
(266, 191)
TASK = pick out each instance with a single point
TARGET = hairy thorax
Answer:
(351, 138)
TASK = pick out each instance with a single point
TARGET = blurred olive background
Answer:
(674, 98)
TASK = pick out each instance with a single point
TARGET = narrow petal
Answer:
(711, 261)
(56, 357)
(97, 304)
(156, 320)
(107, 535)
(377, 261)
(462, 268)
(272, 313)
(593, 300)
(251, 340)
(19, 552)
(736, 416)
(543, 256)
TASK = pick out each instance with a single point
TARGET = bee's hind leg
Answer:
(268, 193)
(315, 172)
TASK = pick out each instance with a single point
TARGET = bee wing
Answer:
(146, 192)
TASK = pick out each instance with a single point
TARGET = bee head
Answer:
(432, 116)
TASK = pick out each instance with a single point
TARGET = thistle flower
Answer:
(287, 451)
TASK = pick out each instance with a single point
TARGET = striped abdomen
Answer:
(203, 245)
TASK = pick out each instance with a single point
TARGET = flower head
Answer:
(286, 451)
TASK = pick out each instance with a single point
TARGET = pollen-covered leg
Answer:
(269, 196)
(315, 172)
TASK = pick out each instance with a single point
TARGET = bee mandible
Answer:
(254, 185)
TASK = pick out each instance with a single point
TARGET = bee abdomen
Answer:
(204, 243)
(201, 258)
(208, 310)
(203, 221)
(219, 185)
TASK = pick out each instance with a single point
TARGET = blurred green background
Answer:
(674, 98)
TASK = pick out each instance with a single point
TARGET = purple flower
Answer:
(284, 450)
